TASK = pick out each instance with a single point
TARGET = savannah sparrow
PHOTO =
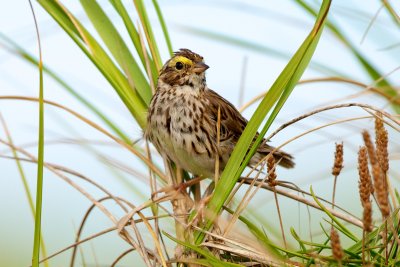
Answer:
(182, 119)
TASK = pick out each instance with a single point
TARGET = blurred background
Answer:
(246, 44)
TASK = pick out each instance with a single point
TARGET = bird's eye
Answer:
(179, 65)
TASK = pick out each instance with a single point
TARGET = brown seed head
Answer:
(271, 171)
(381, 143)
(381, 190)
(367, 216)
(337, 251)
(370, 147)
(371, 153)
(364, 184)
(338, 165)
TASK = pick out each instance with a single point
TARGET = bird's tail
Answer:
(284, 159)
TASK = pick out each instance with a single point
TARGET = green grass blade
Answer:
(99, 57)
(341, 227)
(117, 47)
(260, 235)
(19, 51)
(134, 35)
(164, 27)
(39, 182)
(24, 182)
(279, 92)
(151, 40)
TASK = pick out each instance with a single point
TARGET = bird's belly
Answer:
(182, 139)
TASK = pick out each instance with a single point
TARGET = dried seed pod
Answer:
(338, 164)
(371, 154)
(337, 251)
(271, 171)
(381, 143)
(365, 177)
(367, 216)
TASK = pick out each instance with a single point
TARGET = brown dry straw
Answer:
(337, 251)
(272, 182)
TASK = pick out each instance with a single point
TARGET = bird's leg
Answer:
(201, 205)
(172, 191)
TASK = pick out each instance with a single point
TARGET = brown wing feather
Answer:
(233, 124)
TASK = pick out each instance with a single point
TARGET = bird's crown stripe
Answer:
(182, 59)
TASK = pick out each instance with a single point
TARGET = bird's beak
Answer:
(200, 67)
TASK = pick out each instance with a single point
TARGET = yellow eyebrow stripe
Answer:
(182, 59)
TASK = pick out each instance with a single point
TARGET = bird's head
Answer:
(184, 68)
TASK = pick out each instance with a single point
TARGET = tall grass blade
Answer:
(39, 182)
(19, 51)
(117, 47)
(99, 57)
(151, 40)
(164, 27)
(24, 181)
(134, 35)
(278, 94)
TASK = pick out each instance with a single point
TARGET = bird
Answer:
(183, 115)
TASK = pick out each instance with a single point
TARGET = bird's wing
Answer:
(232, 122)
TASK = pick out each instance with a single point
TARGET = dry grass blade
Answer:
(346, 217)
(82, 224)
(97, 127)
(57, 172)
(271, 165)
(347, 105)
(252, 255)
(115, 262)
